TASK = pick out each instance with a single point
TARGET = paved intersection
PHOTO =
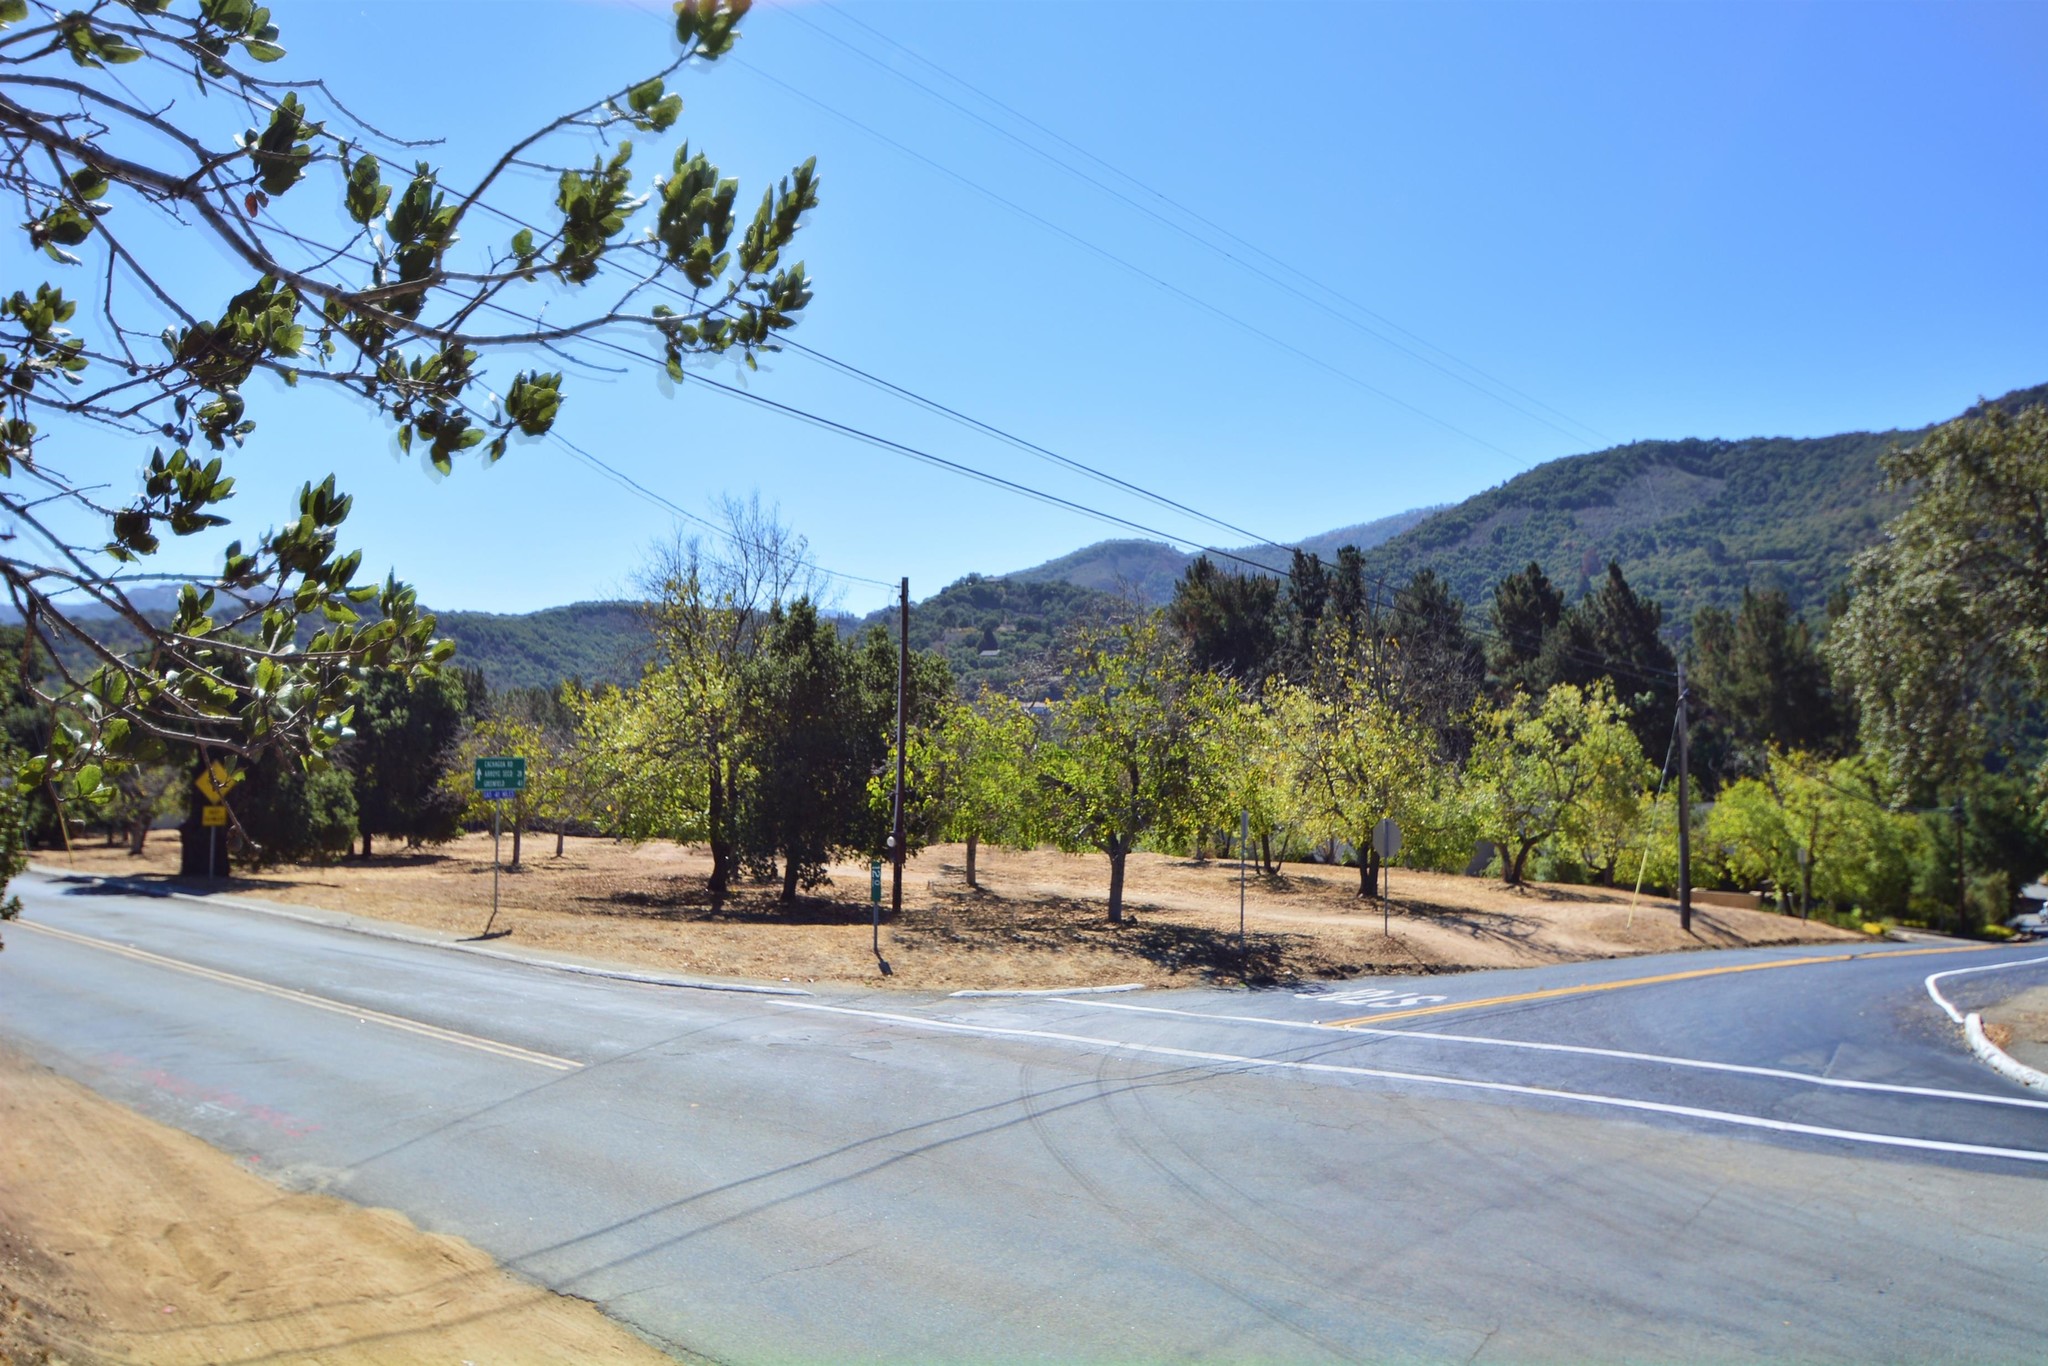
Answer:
(1776, 1152)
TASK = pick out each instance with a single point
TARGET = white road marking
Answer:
(1373, 998)
(360, 1014)
(1943, 1001)
(1701, 1064)
(1428, 1079)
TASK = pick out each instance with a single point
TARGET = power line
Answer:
(1241, 324)
(1182, 208)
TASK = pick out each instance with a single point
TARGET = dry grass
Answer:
(1037, 920)
(122, 1240)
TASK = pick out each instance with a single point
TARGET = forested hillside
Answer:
(1147, 570)
(1004, 633)
(597, 642)
(1692, 522)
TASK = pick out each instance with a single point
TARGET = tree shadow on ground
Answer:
(687, 900)
(171, 884)
(976, 919)
(1493, 927)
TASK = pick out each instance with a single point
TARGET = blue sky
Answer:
(1650, 221)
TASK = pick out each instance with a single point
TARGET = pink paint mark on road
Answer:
(207, 1097)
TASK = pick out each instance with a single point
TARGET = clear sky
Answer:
(1649, 220)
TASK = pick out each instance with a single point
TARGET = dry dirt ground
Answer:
(124, 1241)
(2019, 1025)
(1038, 919)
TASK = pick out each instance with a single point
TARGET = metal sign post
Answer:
(214, 783)
(498, 779)
(1244, 837)
(1386, 842)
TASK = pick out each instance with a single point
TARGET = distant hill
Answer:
(1147, 570)
(1004, 632)
(1691, 522)
(597, 642)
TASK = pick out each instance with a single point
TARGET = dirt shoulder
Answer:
(2019, 1025)
(122, 1240)
(1037, 919)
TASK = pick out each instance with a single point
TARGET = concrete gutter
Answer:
(1989, 1053)
(1055, 991)
(349, 924)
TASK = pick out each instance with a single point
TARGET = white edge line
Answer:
(1054, 991)
(1427, 1079)
(120, 884)
(1703, 1064)
(1943, 1001)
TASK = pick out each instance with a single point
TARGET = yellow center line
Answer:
(361, 1013)
(1552, 993)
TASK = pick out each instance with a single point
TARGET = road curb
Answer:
(1987, 1052)
(1055, 991)
(285, 912)
(2000, 1061)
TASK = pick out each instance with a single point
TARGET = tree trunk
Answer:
(138, 834)
(1116, 884)
(518, 821)
(1512, 872)
(193, 839)
(366, 844)
(1368, 873)
(1266, 853)
(972, 841)
(558, 841)
(788, 881)
(1806, 888)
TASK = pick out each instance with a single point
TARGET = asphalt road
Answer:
(1775, 1153)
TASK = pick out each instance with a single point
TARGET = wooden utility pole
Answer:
(1961, 819)
(1684, 808)
(902, 686)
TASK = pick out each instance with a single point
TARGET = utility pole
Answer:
(1684, 807)
(896, 822)
(1960, 817)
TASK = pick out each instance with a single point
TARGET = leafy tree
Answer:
(1227, 619)
(127, 134)
(643, 779)
(1945, 641)
(1251, 756)
(706, 617)
(556, 785)
(1355, 759)
(1526, 610)
(1617, 634)
(287, 813)
(1817, 829)
(1549, 771)
(1308, 594)
(408, 734)
(1763, 682)
(975, 771)
(1439, 666)
(1131, 753)
(143, 791)
(817, 709)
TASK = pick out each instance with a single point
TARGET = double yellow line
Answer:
(1552, 993)
(359, 1013)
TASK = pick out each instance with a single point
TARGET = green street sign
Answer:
(501, 777)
